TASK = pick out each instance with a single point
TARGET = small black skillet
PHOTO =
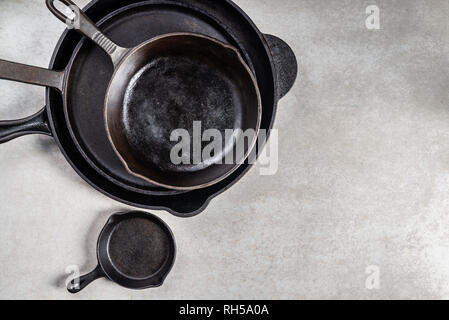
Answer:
(135, 250)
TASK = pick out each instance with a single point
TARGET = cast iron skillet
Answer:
(166, 84)
(86, 147)
(136, 250)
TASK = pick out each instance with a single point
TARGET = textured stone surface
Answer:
(363, 177)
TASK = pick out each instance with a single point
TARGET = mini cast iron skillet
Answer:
(135, 250)
(168, 83)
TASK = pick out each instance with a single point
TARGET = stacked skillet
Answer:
(80, 76)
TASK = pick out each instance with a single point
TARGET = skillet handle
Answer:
(83, 24)
(33, 75)
(85, 280)
(285, 64)
(35, 124)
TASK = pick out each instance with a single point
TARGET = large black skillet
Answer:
(131, 22)
(165, 84)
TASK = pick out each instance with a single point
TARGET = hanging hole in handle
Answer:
(66, 11)
(78, 284)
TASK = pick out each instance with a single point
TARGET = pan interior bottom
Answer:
(172, 93)
(138, 248)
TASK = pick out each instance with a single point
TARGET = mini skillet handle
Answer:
(83, 24)
(35, 124)
(285, 63)
(85, 280)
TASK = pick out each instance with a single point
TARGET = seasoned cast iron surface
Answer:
(171, 93)
(138, 248)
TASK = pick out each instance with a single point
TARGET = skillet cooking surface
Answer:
(138, 248)
(169, 94)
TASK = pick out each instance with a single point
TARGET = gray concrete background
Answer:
(363, 177)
